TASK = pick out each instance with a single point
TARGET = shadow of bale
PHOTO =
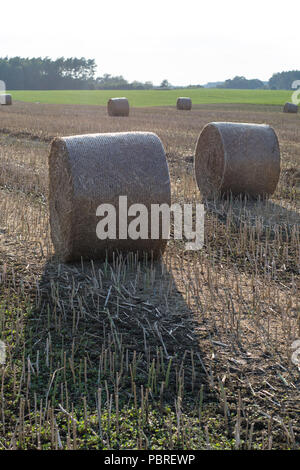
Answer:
(117, 326)
(263, 216)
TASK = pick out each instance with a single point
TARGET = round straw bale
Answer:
(6, 99)
(86, 171)
(118, 107)
(237, 158)
(184, 103)
(290, 108)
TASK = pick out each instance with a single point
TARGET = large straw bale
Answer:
(237, 159)
(6, 99)
(184, 103)
(118, 107)
(88, 170)
(290, 108)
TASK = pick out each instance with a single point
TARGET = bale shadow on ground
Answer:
(260, 215)
(117, 326)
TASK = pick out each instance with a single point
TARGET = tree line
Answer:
(46, 74)
(278, 81)
(284, 80)
(43, 73)
(242, 83)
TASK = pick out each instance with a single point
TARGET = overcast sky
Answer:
(185, 41)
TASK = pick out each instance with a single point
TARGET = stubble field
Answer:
(193, 352)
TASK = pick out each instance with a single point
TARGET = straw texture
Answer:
(290, 108)
(89, 170)
(6, 99)
(184, 103)
(234, 158)
(118, 107)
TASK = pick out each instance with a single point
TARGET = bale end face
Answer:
(6, 100)
(118, 107)
(237, 159)
(290, 108)
(184, 104)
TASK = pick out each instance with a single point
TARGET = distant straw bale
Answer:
(118, 107)
(184, 103)
(290, 108)
(6, 99)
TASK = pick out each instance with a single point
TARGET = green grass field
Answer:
(143, 98)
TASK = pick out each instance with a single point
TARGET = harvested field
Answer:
(193, 352)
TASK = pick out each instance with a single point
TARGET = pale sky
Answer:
(186, 42)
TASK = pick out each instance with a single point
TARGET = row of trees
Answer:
(278, 81)
(108, 82)
(43, 73)
(46, 74)
(242, 83)
(283, 80)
